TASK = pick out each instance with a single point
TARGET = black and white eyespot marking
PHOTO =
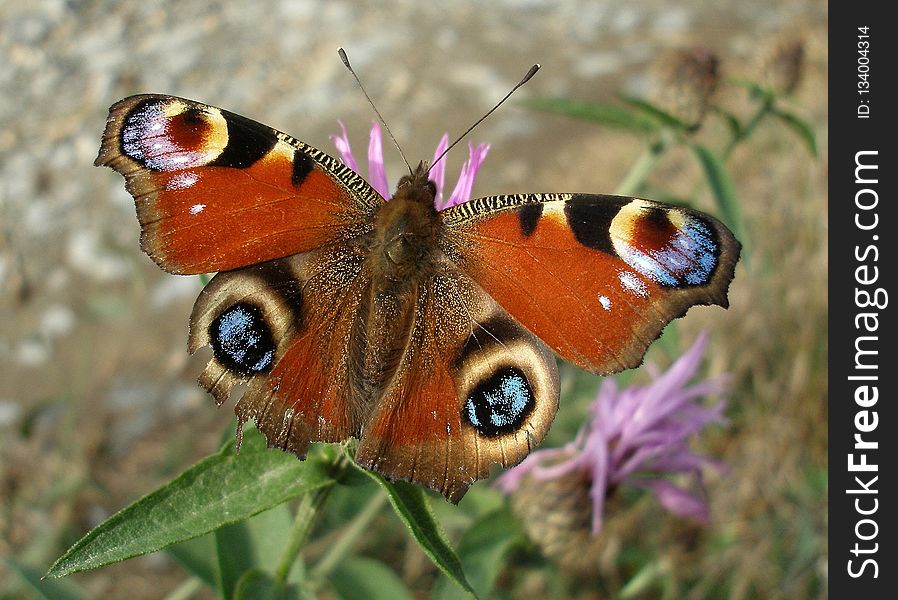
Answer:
(139, 123)
(500, 403)
(241, 340)
(248, 141)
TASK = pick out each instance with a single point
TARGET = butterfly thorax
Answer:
(402, 257)
(406, 231)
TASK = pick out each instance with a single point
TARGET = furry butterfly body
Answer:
(428, 335)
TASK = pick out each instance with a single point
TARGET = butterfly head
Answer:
(417, 186)
(406, 228)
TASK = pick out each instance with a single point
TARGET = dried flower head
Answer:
(684, 82)
(782, 66)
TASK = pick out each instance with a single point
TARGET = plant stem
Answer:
(185, 590)
(305, 520)
(641, 168)
(745, 132)
(349, 537)
(307, 514)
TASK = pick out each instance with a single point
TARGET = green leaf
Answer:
(44, 588)
(254, 543)
(722, 187)
(482, 550)
(411, 506)
(801, 127)
(656, 113)
(224, 488)
(198, 557)
(597, 112)
(360, 578)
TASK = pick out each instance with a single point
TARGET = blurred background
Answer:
(98, 400)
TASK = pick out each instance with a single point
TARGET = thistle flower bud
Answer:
(782, 65)
(684, 82)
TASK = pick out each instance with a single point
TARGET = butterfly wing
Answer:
(595, 277)
(473, 388)
(282, 328)
(216, 191)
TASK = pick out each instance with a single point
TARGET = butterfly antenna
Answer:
(345, 60)
(526, 78)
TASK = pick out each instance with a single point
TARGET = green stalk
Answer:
(349, 537)
(307, 515)
(765, 109)
(743, 134)
(640, 170)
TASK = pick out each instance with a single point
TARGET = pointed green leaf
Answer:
(411, 506)
(360, 578)
(597, 112)
(801, 127)
(224, 488)
(645, 580)
(45, 588)
(722, 187)
(655, 112)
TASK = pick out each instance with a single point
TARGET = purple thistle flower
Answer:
(377, 175)
(637, 436)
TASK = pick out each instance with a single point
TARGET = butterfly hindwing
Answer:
(595, 277)
(474, 388)
(282, 328)
(216, 191)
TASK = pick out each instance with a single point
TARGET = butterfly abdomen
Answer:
(378, 341)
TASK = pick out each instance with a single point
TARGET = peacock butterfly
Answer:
(426, 334)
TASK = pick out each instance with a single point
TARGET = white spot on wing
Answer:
(197, 209)
(182, 181)
(632, 283)
(605, 301)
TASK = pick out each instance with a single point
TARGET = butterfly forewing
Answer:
(216, 191)
(595, 277)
